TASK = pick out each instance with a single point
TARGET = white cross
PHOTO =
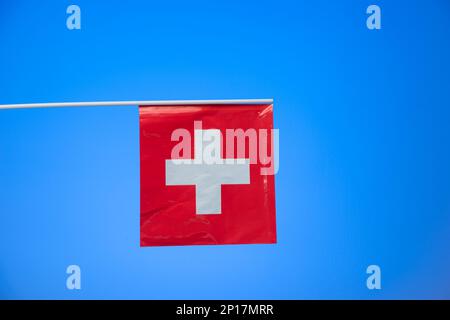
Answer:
(207, 172)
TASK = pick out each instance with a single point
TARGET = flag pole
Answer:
(137, 103)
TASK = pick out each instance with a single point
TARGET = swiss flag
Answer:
(204, 177)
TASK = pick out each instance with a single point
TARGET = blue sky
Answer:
(364, 145)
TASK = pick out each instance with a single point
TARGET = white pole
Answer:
(137, 103)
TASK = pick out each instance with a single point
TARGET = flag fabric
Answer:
(207, 175)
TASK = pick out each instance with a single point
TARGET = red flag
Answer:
(207, 175)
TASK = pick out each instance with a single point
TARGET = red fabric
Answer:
(168, 213)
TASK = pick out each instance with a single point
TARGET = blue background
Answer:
(364, 153)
